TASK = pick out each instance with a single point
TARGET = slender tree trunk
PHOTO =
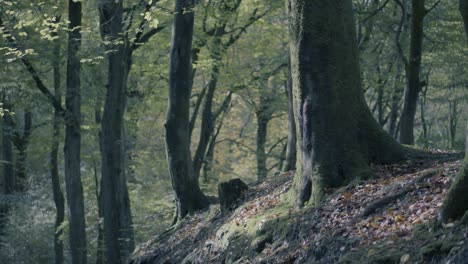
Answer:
(207, 120)
(57, 192)
(118, 230)
(7, 156)
(413, 69)
(21, 141)
(291, 148)
(262, 128)
(463, 7)
(188, 195)
(7, 137)
(422, 110)
(59, 199)
(453, 120)
(395, 104)
(337, 134)
(98, 183)
(72, 148)
(211, 146)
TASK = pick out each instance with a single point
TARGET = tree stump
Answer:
(229, 194)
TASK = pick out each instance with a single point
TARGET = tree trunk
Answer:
(100, 252)
(413, 69)
(262, 128)
(463, 7)
(291, 148)
(72, 148)
(118, 230)
(8, 173)
(337, 134)
(59, 199)
(207, 122)
(452, 122)
(456, 201)
(395, 103)
(188, 195)
(7, 137)
(21, 143)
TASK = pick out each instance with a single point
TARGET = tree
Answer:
(290, 160)
(189, 197)
(221, 36)
(72, 148)
(118, 229)
(456, 201)
(59, 199)
(413, 69)
(337, 135)
(72, 123)
(463, 7)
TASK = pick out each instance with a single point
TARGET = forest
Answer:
(233, 131)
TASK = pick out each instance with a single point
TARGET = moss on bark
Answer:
(337, 135)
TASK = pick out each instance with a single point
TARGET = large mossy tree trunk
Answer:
(456, 201)
(72, 148)
(337, 134)
(189, 197)
(413, 69)
(118, 229)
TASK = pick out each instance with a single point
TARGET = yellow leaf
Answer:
(399, 218)
(404, 258)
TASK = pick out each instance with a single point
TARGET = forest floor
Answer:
(388, 219)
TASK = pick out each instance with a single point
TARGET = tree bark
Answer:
(463, 7)
(7, 156)
(456, 201)
(7, 138)
(189, 197)
(59, 199)
(291, 148)
(207, 120)
(413, 69)
(72, 148)
(262, 129)
(118, 230)
(395, 103)
(21, 141)
(337, 134)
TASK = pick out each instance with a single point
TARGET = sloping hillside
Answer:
(387, 219)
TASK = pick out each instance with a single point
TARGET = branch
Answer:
(398, 35)
(276, 144)
(241, 30)
(139, 37)
(237, 143)
(223, 106)
(432, 7)
(375, 12)
(34, 74)
(145, 37)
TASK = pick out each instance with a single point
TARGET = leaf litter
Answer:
(422, 184)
